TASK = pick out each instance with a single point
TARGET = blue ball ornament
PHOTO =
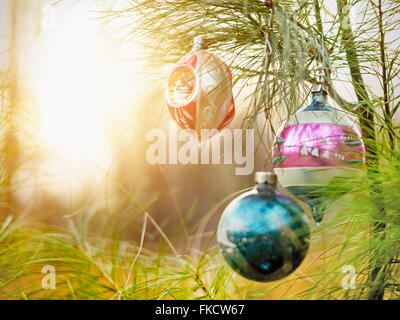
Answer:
(263, 234)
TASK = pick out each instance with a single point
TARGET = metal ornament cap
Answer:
(199, 43)
(319, 88)
(266, 177)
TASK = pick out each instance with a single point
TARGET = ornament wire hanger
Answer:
(268, 51)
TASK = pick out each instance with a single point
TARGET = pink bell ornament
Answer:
(199, 91)
(316, 144)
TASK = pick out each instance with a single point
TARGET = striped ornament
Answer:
(316, 144)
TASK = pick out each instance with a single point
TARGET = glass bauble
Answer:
(263, 234)
(199, 92)
(316, 144)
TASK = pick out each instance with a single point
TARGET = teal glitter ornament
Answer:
(263, 234)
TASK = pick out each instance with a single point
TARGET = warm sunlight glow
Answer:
(74, 80)
(69, 90)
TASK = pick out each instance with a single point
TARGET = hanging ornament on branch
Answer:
(199, 91)
(317, 144)
(264, 235)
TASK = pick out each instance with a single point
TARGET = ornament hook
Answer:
(199, 43)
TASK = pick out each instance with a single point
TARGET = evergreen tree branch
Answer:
(327, 69)
(387, 111)
(275, 7)
(366, 117)
(365, 111)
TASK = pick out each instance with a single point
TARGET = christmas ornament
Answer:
(199, 91)
(264, 235)
(316, 144)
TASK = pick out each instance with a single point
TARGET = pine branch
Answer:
(366, 116)
(366, 113)
(323, 51)
(387, 111)
(327, 70)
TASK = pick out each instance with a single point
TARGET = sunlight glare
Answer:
(69, 88)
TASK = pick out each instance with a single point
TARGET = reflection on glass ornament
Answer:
(264, 235)
(317, 144)
(199, 91)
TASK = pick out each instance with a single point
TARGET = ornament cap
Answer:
(266, 177)
(199, 43)
(319, 88)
